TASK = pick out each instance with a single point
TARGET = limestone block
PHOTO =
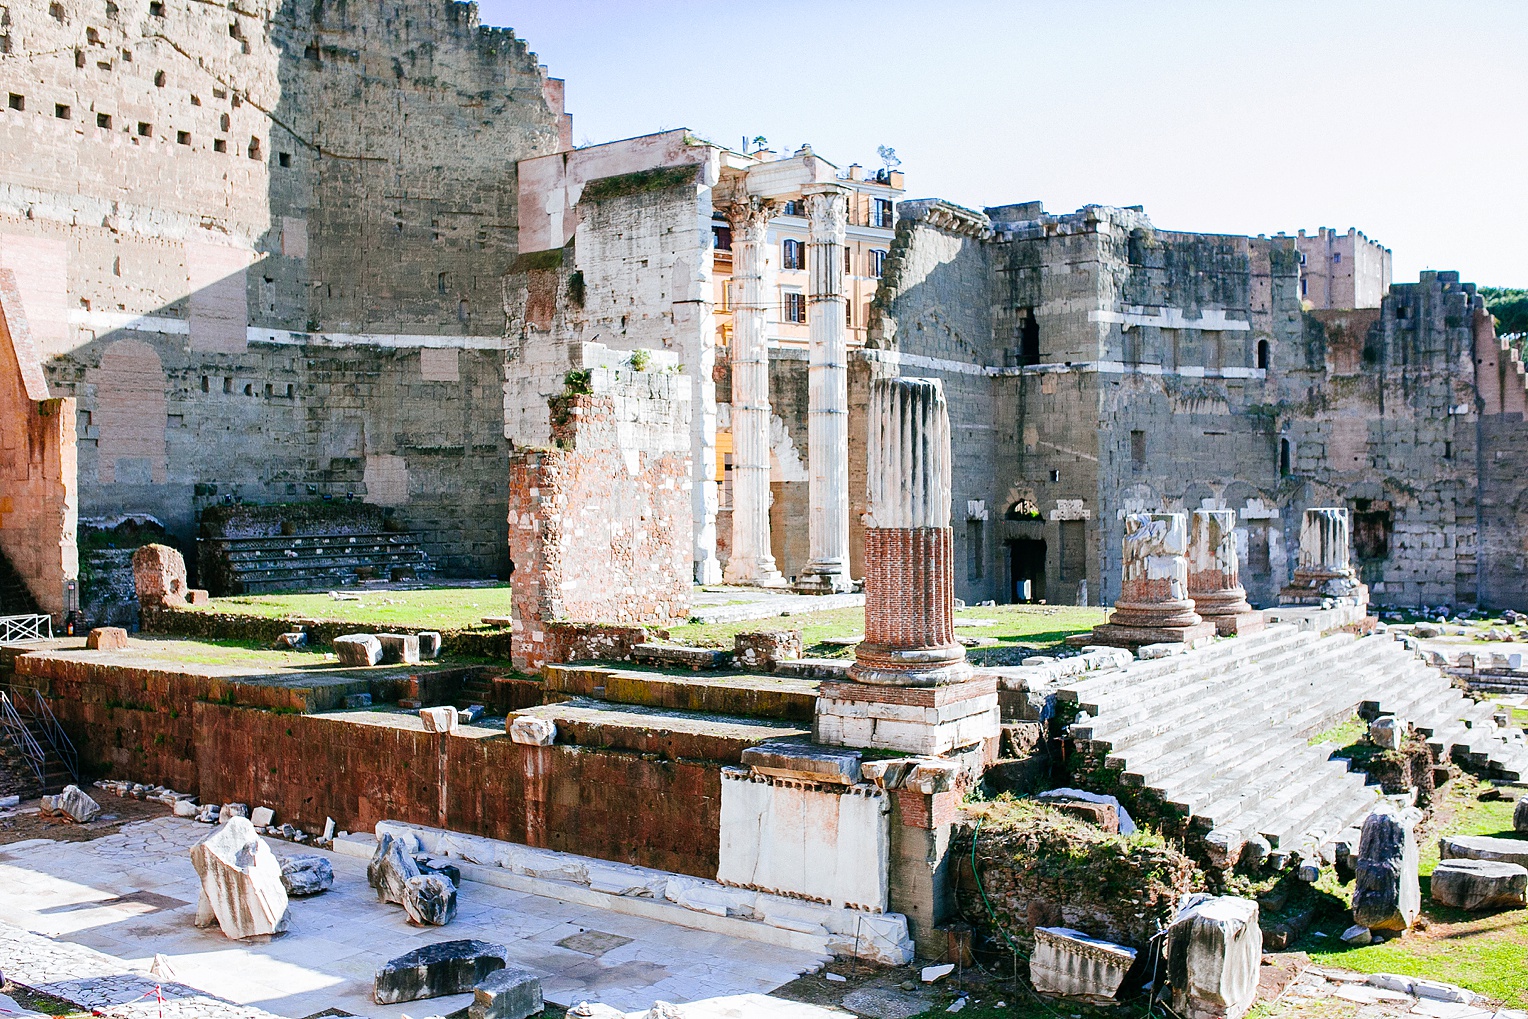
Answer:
(1214, 950)
(208, 813)
(302, 876)
(471, 713)
(399, 648)
(806, 761)
(509, 993)
(1386, 892)
(159, 576)
(73, 804)
(764, 649)
(198, 596)
(1071, 964)
(930, 777)
(229, 811)
(1065, 795)
(390, 869)
(1480, 884)
(429, 644)
(241, 882)
(1387, 732)
(430, 899)
(358, 649)
(185, 808)
(260, 817)
(1483, 847)
(1520, 815)
(292, 640)
(106, 638)
(532, 731)
(442, 719)
(447, 967)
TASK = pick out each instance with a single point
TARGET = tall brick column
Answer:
(1154, 606)
(827, 569)
(751, 560)
(1324, 570)
(1214, 581)
(910, 687)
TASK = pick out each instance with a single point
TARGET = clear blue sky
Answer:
(1406, 120)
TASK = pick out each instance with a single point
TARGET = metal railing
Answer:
(54, 733)
(21, 737)
(19, 628)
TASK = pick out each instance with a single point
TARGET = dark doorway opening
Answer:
(1026, 570)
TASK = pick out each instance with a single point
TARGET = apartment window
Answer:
(976, 558)
(145, 130)
(18, 102)
(103, 120)
(1138, 447)
(224, 123)
(848, 260)
(795, 306)
(882, 214)
(721, 238)
(61, 111)
(849, 314)
(1304, 286)
(1336, 258)
(792, 255)
(56, 12)
(442, 283)
(795, 207)
(227, 384)
(877, 262)
(1029, 337)
(182, 137)
(1264, 352)
(254, 148)
(1055, 475)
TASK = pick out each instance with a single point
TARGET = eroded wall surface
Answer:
(264, 245)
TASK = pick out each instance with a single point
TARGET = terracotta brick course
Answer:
(909, 587)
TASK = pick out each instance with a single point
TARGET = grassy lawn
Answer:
(1486, 952)
(439, 607)
(1017, 629)
(1342, 734)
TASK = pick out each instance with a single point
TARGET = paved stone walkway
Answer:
(110, 904)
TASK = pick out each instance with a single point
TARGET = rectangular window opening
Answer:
(1138, 447)
(182, 137)
(284, 158)
(18, 102)
(61, 111)
(145, 130)
(103, 120)
(219, 145)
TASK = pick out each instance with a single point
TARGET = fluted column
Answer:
(1214, 581)
(1154, 606)
(751, 560)
(1324, 570)
(909, 575)
(827, 569)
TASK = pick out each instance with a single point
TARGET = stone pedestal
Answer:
(910, 687)
(1324, 571)
(1154, 606)
(1213, 574)
(827, 570)
(751, 560)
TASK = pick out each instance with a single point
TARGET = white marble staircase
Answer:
(1222, 734)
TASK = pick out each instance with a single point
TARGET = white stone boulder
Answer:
(228, 811)
(358, 649)
(1520, 815)
(1073, 965)
(73, 804)
(186, 808)
(430, 899)
(261, 817)
(1386, 892)
(303, 876)
(1387, 732)
(390, 869)
(1480, 884)
(399, 648)
(1214, 951)
(443, 719)
(509, 993)
(241, 882)
(533, 731)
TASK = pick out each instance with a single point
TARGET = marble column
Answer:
(1154, 606)
(751, 560)
(1323, 569)
(910, 687)
(827, 569)
(1214, 581)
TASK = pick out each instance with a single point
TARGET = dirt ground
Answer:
(25, 822)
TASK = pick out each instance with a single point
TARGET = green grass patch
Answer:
(1485, 952)
(434, 607)
(1342, 734)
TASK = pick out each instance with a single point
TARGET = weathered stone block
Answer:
(73, 804)
(1386, 891)
(532, 731)
(303, 876)
(1483, 847)
(390, 869)
(764, 649)
(241, 880)
(1073, 965)
(1520, 815)
(260, 817)
(1480, 884)
(430, 899)
(509, 993)
(1214, 951)
(447, 967)
(804, 761)
(442, 719)
(429, 644)
(358, 649)
(1387, 732)
(106, 638)
(159, 576)
(229, 811)
(399, 648)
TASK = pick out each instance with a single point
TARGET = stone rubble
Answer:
(1214, 953)
(442, 720)
(509, 993)
(304, 876)
(446, 967)
(73, 804)
(357, 649)
(242, 888)
(1387, 895)
(1480, 884)
(430, 900)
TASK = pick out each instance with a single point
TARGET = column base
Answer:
(708, 571)
(1237, 623)
(929, 720)
(823, 578)
(1132, 637)
(758, 576)
(1313, 588)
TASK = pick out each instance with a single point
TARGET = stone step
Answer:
(1217, 657)
(673, 735)
(748, 695)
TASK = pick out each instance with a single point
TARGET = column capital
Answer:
(751, 214)
(827, 214)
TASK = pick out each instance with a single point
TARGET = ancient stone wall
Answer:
(265, 252)
(37, 464)
(600, 526)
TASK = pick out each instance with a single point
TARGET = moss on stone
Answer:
(660, 179)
